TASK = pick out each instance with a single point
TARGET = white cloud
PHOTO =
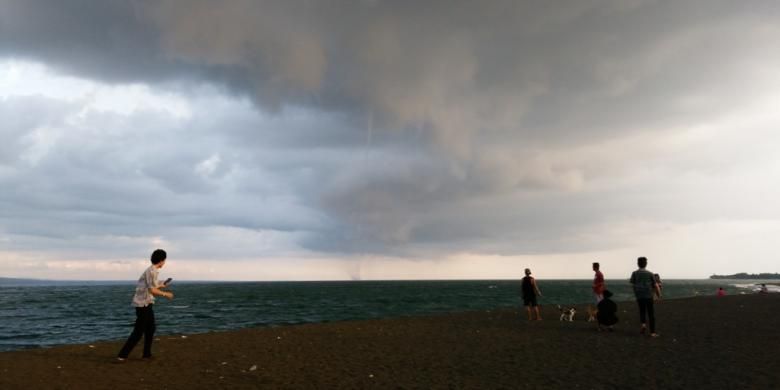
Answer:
(208, 166)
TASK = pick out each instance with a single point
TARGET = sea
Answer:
(55, 313)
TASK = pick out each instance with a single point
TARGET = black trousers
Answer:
(144, 326)
(646, 312)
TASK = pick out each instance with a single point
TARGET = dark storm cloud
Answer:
(606, 64)
(96, 39)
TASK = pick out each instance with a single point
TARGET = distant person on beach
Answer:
(657, 292)
(143, 300)
(763, 289)
(530, 293)
(721, 292)
(643, 282)
(607, 314)
(598, 284)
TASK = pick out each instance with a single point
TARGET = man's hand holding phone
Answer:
(167, 294)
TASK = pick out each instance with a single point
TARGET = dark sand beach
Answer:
(730, 342)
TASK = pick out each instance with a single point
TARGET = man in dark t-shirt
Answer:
(530, 293)
(644, 285)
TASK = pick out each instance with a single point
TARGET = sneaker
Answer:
(653, 334)
(119, 360)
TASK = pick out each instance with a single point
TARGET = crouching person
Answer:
(607, 314)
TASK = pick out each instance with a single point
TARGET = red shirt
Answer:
(598, 283)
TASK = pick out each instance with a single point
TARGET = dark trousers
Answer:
(144, 326)
(646, 312)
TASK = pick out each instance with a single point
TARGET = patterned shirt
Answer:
(148, 279)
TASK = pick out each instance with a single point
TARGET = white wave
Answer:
(757, 287)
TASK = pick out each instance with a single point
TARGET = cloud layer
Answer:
(384, 128)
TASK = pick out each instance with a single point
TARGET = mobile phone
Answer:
(168, 281)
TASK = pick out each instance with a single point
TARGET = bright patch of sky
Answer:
(23, 78)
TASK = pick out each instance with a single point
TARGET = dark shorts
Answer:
(530, 301)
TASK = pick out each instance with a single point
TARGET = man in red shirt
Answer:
(598, 284)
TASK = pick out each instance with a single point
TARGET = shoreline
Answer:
(48, 322)
(580, 307)
(712, 342)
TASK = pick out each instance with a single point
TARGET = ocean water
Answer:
(48, 315)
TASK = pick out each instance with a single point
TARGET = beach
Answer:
(705, 342)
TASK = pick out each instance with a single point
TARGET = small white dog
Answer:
(567, 314)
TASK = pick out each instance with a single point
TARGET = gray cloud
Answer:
(139, 178)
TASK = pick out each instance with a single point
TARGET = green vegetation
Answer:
(743, 275)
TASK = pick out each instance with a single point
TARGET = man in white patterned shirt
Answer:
(143, 300)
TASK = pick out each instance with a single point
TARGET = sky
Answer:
(344, 140)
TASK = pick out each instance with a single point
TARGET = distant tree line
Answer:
(744, 275)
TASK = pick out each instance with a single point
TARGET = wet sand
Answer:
(729, 342)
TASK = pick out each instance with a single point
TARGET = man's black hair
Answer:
(596, 266)
(641, 262)
(158, 256)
